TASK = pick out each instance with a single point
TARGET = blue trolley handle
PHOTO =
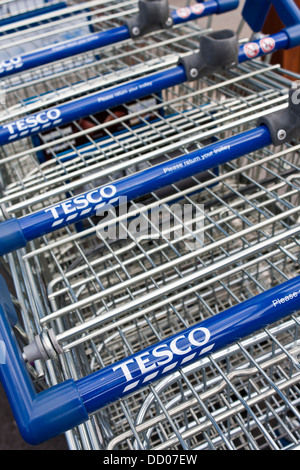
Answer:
(218, 51)
(153, 15)
(255, 12)
(41, 416)
(277, 128)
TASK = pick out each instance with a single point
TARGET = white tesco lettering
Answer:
(91, 199)
(199, 343)
(175, 349)
(21, 125)
(4, 64)
(53, 211)
(42, 118)
(125, 369)
(108, 191)
(82, 202)
(165, 353)
(53, 114)
(68, 208)
(142, 361)
(33, 121)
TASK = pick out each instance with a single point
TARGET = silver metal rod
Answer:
(175, 285)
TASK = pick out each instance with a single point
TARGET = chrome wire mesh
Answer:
(28, 26)
(107, 299)
(90, 71)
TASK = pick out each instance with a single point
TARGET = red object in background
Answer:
(89, 122)
(103, 117)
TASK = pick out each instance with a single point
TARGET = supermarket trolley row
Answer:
(167, 320)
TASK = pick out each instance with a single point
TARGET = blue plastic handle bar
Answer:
(41, 416)
(32, 13)
(96, 102)
(255, 12)
(15, 233)
(225, 5)
(194, 343)
(116, 96)
(94, 41)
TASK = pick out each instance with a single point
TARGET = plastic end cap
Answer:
(11, 236)
(293, 34)
(227, 5)
(284, 125)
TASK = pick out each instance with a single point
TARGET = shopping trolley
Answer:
(150, 17)
(86, 73)
(110, 291)
(52, 27)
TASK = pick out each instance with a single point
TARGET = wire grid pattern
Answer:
(108, 299)
(75, 76)
(43, 24)
(13, 8)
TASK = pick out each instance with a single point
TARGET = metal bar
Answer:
(71, 401)
(50, 15)
(151, 364)
(109, 297)
(171, 287)
(112, 97)
(95, 41)
(157, 107)
(79, 208)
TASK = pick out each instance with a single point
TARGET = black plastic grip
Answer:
(218, 51)
(152, 16)
(284, 125)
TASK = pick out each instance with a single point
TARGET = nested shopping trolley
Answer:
(150, 258)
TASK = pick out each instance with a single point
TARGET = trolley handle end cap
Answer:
(293, 34)
(226, 5)
(218, 52)
(11, 236)
(284, 125)
(152, 16)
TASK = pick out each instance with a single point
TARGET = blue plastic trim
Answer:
(67, 49)
(293, 34)
(100, 101)
(194, 12)
(39, 416)
(32, 14)
(265, 46)
(255, 12)
(12, 236)
(227, 5)
(91, 104)
(56, 410)
(91, 203)
(97, 40)
(130, 374)
(224, 5)
(287, 11)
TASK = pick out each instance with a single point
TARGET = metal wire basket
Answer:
(29, 26)
(109, 297)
